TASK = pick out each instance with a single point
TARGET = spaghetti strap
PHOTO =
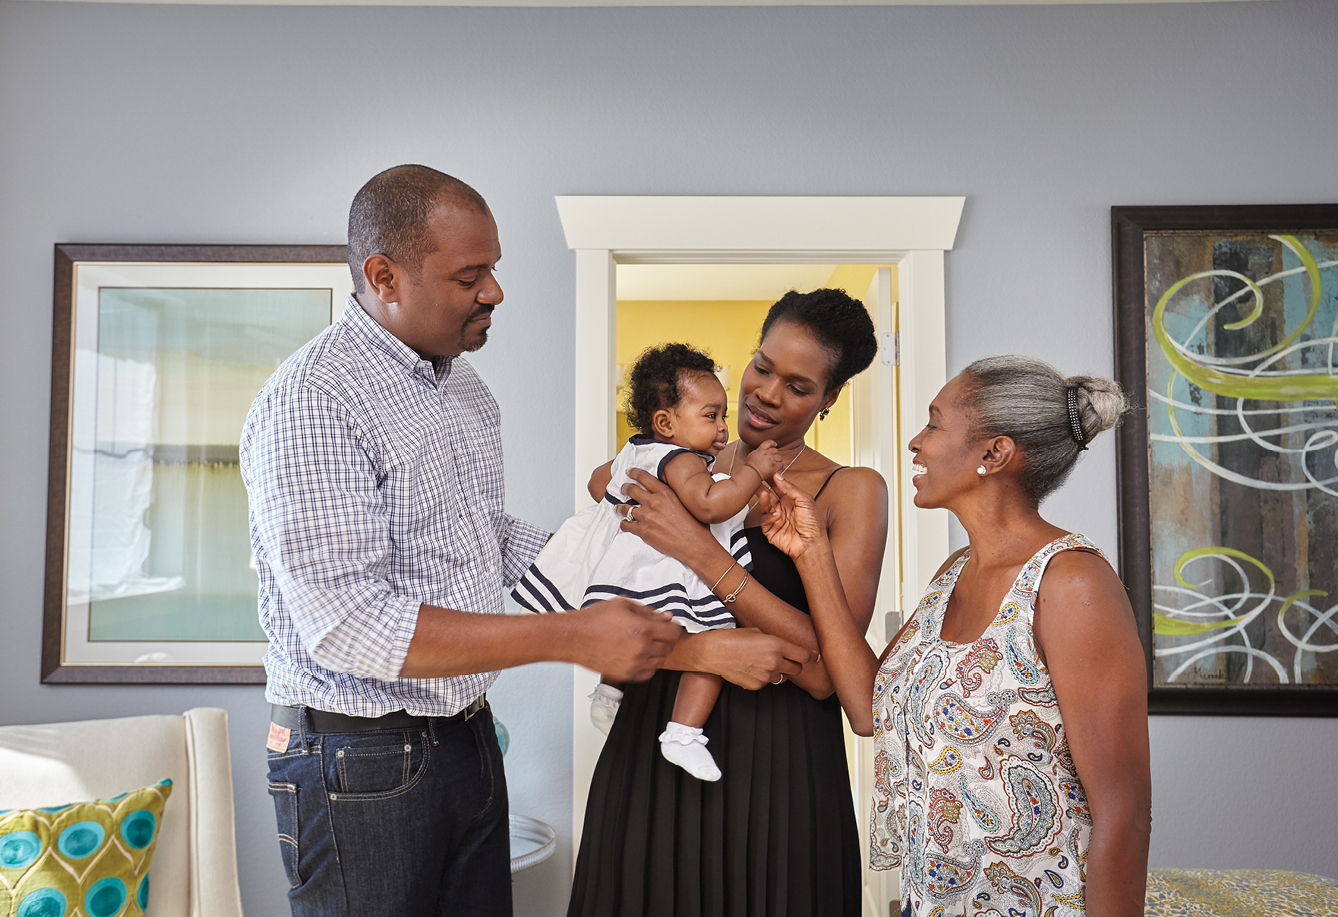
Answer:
(826, 482)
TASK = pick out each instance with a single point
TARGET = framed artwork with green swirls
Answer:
(1226, 328)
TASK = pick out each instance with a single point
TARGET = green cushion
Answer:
(92, 857)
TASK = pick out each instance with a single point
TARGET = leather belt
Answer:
(324, 721)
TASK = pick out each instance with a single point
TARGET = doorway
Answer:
(719, 308)
(902, 242)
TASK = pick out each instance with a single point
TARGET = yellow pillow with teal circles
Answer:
(86, 858)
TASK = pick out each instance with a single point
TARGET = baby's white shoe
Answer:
(686, 747)
(604, 703)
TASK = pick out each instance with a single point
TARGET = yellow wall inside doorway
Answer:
(728, 331)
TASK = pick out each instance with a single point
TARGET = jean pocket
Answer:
(376, 765)
(285, 813)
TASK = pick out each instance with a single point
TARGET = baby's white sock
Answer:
(604, 703)
(686, 747)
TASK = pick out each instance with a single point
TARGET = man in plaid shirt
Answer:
(372, 459)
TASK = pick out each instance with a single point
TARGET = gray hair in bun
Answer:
(1029, 401)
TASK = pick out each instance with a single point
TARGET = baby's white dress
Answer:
(590, 559)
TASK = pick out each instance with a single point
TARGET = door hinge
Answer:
(891, 348)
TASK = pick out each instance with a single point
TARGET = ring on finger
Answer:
(629, 513)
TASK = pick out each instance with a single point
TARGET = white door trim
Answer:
(910, 232)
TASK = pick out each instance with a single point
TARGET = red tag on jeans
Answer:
(278, 737)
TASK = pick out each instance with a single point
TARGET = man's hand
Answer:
(623, 640)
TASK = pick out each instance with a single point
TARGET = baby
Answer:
(679, 407)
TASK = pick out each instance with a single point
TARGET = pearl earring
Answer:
(981, 470)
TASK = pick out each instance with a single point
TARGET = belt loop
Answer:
(302, 729)
(432, 729)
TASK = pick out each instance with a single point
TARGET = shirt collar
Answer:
(437, 370)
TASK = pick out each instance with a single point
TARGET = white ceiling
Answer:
(676, 282)
(653, 2)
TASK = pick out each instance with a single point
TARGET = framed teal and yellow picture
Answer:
(1227, 341)
(158, 351)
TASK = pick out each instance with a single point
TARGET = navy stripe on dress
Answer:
(708, 611)
(545, 594)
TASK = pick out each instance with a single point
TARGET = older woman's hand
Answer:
(662, 522)
(790, 519)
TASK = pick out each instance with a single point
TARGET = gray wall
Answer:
(242, 124)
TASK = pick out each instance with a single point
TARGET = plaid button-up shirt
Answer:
(375, 484)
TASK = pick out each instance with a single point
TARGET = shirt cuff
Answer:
(523, 543)
(406, 622)
(372, 650)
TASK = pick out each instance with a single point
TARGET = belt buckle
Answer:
(478, 704)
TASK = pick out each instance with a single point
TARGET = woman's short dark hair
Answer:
(652, 385)
(838, 322)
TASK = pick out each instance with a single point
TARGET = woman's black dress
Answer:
(775, 837)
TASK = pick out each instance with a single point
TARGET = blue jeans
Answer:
(406, 822)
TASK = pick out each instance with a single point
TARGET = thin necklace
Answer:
(735, 454)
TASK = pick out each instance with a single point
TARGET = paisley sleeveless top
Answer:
(975, 794)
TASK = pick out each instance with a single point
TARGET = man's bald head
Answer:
(390, 214)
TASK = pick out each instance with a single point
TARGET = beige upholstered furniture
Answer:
(1239, 893)
(194, 871)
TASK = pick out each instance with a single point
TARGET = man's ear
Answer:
(999, 453)
(662, 423)
(382, 278)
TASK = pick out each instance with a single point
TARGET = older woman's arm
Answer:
(1085, 632)
(793, 524)
(859, 523)
(856, 524)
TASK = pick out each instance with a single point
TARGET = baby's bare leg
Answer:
(697, 694)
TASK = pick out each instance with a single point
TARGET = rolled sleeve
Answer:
(521, 542)
(322, 526)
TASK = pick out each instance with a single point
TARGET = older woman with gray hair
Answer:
(1010, 712)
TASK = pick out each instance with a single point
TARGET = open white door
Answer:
(876, 433)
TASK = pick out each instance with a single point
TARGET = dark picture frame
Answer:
(1130, 229)
(231, 268)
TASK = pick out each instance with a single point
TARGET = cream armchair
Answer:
(194, 871)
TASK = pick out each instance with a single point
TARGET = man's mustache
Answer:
(480, 312)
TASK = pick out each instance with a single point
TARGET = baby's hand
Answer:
(766, 459)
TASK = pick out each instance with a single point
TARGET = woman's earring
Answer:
(981, 470)
(822, 415)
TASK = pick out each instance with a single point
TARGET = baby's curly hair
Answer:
(652, 385)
